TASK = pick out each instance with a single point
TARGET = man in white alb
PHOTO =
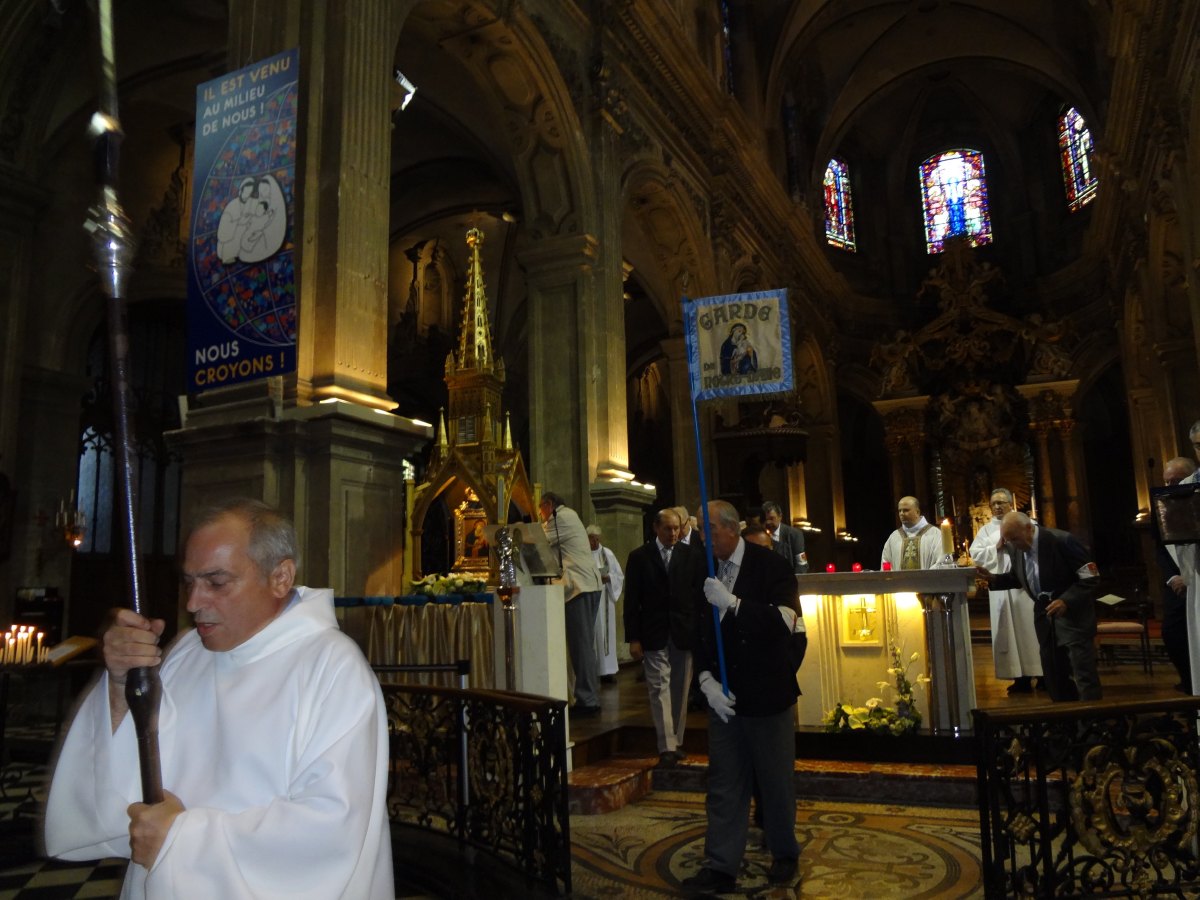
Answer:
(272, 732)
(613, 580)
(1015, 648)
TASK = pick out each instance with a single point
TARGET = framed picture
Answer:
(471, 545)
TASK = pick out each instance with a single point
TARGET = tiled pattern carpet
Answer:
(850, 850)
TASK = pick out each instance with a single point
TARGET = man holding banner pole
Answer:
(751, 731)
(740, 345)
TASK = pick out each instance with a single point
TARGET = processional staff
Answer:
(114, 246)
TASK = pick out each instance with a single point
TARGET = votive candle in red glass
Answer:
(830, 567)
(857, 567)
(887, 566)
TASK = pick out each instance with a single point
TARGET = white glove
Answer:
(720, 704)
(719, 596)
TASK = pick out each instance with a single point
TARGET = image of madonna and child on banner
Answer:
(739, 344)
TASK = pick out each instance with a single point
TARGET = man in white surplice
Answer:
(1014, 639)
(606, 616)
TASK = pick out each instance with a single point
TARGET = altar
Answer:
(854, 618)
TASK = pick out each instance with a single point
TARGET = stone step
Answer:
(609, 784)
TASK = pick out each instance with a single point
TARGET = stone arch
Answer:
(511, 64)
(664, 242)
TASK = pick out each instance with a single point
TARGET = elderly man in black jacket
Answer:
(663, 581)
(1058, 572)
(752, 729)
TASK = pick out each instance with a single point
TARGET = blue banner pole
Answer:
(708, 546)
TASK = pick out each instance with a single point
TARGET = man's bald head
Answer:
(1177, 469)
(1016, 528)
(909, 511)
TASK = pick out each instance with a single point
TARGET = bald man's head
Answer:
(1177, 469)
(909, 511)
(1016, 528)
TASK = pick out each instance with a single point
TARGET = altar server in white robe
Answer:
(1186, 556)
(1015, 648)
(272, 731)
(915, 544)
(606, 616)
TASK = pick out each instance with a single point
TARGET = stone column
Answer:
(683, 437)
(1045, 504)
(337, 468)
(567, 381)
(1066, 433)
(341, 219)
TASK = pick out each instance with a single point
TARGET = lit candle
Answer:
(947, 538)
(38, 658)
(887, 566)
(857, 567)
(830, 567)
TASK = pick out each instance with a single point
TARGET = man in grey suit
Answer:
(1058, 572)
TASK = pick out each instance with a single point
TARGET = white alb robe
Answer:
(1015, 650)
(1186, 557)
(278, 750)
(606, 613)
(931, 548)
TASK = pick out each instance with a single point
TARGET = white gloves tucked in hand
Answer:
(720, 704)
(719, 596)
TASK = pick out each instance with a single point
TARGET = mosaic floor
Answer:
(850, 850)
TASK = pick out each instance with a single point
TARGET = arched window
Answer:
(954, 192)
(839, 211)
(1075, 150)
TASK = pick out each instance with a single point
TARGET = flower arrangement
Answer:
(873, 716)
(438, 585)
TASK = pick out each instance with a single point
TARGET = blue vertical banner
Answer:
(241, 251)
(739, 344)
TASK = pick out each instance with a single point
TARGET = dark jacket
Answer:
(659, 603)
(761, 655)
(789, 543)
(1060, 557)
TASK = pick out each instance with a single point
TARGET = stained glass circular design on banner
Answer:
(243, 254)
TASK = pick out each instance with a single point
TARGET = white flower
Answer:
(883, 685)
(873, 702)
(914, 657)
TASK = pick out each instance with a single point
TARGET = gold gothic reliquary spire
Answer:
(475, 337)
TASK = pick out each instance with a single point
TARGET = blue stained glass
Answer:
(1075, 148)
(839, 210)
(954, 194)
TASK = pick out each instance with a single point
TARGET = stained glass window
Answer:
(1075, 149)
(954, 192)
(839, 212)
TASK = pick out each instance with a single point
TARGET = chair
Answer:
(1129, 618)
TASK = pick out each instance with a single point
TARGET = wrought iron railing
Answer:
(488, 768)
(1090, 800)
